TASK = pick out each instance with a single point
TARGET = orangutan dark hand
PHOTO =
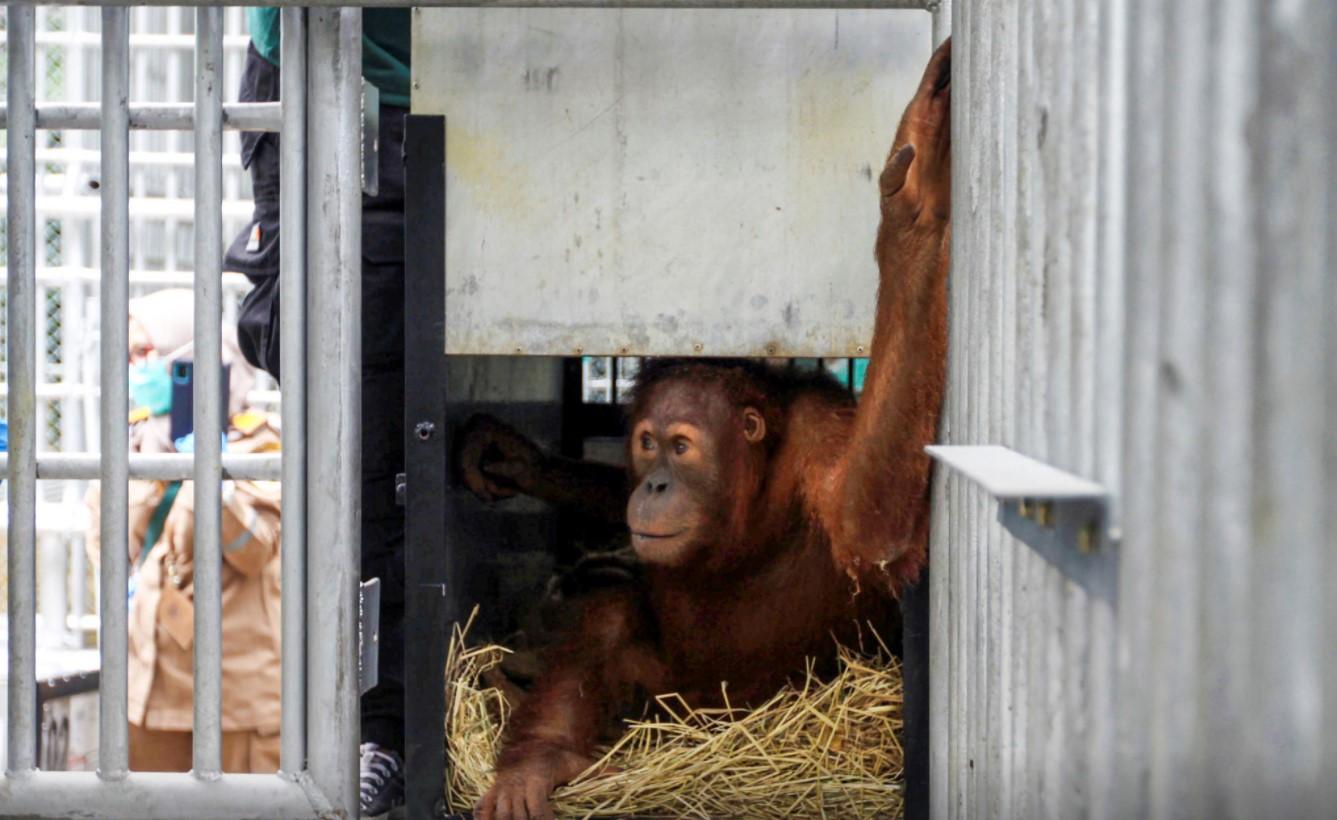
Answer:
(495, 460)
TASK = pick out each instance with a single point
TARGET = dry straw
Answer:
(822, 749)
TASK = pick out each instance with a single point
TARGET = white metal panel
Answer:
(1158, 320)
(656, 182)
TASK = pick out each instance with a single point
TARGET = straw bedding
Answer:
(819, 749)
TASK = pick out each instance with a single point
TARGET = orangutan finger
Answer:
(898, 167)
(506, 806)
(938, 72)
(487, 807)
(536, 801)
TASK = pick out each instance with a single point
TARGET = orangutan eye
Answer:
(680, 445)
(647, 441)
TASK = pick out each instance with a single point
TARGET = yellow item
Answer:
(247, 421)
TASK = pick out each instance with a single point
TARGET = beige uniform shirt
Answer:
(160, 622)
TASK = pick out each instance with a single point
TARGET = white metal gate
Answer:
(321, 203)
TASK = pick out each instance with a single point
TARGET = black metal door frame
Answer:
(431, 605)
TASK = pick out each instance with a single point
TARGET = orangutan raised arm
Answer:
(874, 501)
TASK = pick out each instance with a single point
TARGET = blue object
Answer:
(4, 437)
(151, 387)
(183, 397)
(186, 444)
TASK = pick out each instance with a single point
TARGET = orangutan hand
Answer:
(495, 460)
(917, 178)
(521, 792)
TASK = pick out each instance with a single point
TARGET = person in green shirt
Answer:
(386, 35)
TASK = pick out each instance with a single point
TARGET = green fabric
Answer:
(386, 38)
(154, 531)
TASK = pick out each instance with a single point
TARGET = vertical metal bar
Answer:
(1111, 24)
(21, 360)
(432, 554)
(998, 270)
(1228, 660)
(942, 21)
(292, 349)
(962, 269)
(944, 557)
(113, 752)
(334, 242)
(208, 389)
(1176, 759)
(1329, 616)
(1139, 558)
(1293, 219)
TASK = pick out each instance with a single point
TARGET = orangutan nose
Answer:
(656, 483)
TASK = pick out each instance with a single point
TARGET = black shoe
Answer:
(381, 781)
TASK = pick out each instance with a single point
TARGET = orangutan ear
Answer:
(754, 425)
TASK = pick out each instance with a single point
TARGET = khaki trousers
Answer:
(157, 750)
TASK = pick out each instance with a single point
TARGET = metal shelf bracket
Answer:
(1063, 517)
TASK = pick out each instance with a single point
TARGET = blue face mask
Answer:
(151, 387)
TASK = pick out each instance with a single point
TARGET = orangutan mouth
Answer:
(651, 535)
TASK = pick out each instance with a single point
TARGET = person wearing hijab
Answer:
(161, 553)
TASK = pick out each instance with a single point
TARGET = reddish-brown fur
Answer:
(777, 517)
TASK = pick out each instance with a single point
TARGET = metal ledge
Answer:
(1061, 516)
(161, 796)
(927, 5)
(262, 116)
(156, 466)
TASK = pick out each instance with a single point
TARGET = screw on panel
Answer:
(859, 350)
(698, 347)
(1086, 538)
(424, 430)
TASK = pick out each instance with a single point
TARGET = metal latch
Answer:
(1061, 516)
(368, 634)
(371, 138)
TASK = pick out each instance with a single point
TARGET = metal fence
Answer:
(68, 72)
(319, 322)
(1142, 294)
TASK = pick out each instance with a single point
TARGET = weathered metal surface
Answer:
(153, 116)
(334, 398)
(153, 466)
(292, 349)
(1142, 294)
(21, 378)
(113, 691)
(206, 736)
(664, 182)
